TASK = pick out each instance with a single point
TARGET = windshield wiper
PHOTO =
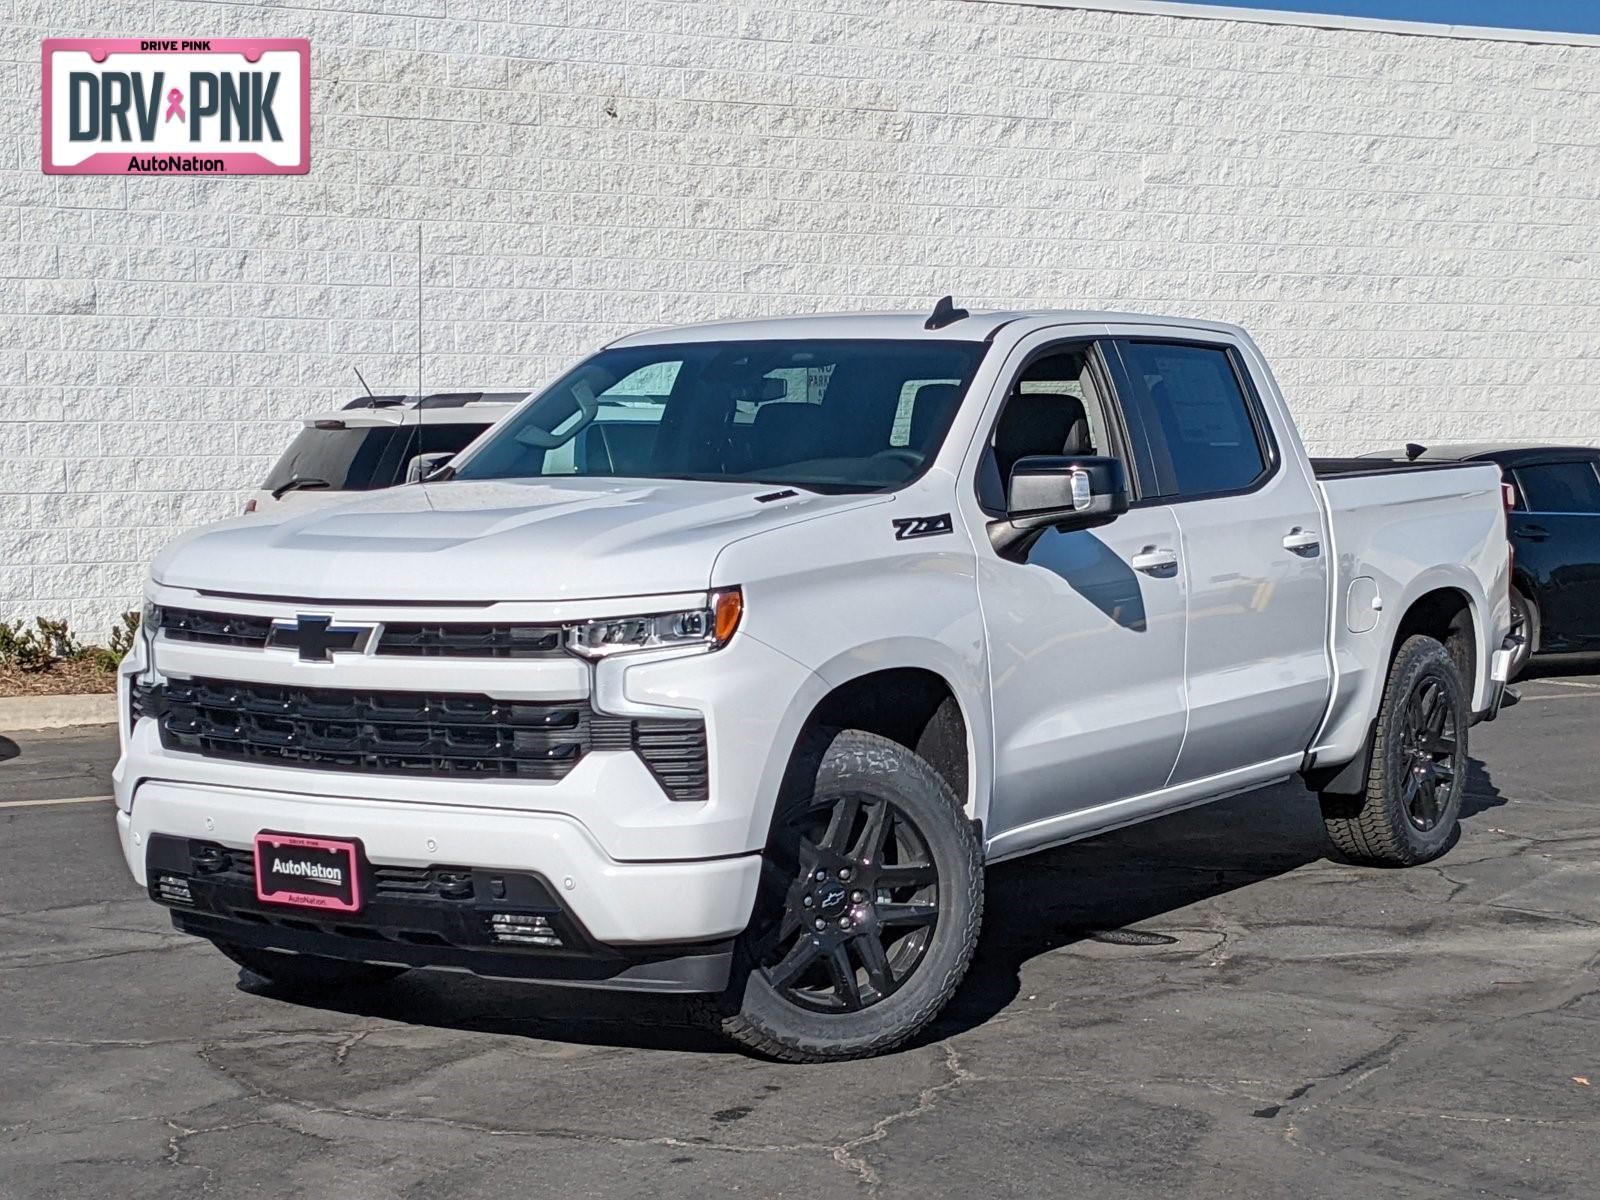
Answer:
(295, 485)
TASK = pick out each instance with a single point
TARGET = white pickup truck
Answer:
(738, 696)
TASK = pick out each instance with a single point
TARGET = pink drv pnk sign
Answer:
(177, 106)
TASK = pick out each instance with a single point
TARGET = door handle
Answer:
(1531, 533)
(1152, 560)
(1302, 541)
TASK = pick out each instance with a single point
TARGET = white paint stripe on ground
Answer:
(64, 800)
(1571, 683)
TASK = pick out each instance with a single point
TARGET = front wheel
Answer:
(305, 972)
(1410, 807)
(868, 913)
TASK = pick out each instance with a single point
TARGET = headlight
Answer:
(709, 626)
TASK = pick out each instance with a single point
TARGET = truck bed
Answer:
(1340, 468)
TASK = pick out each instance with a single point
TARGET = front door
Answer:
(1086, 630)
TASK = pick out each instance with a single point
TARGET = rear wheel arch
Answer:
(1449, 616)
(1446, 614)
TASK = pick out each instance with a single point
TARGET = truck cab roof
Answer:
(976, 326)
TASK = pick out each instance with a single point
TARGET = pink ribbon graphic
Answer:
(175, 105)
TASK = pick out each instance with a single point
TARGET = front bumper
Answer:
(442, 917)
(624, 906)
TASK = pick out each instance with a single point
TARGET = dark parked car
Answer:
(1555, 531)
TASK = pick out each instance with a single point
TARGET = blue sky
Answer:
(1567, 16)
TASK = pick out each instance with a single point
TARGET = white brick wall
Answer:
(1407, 223)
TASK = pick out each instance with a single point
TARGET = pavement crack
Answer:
(1361, 1068)
(847, 1156)
(342, 1051)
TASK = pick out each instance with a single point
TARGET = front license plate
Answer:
(308, 872)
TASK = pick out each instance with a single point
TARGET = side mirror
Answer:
(423, 465)
(1050, 491)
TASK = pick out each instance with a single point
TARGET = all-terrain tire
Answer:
(306, 972)
(851, 762)
(1376, 827)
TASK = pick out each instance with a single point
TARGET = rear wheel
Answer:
(868, 913)
(1524, 621)
(1411, 805)
(306, 972)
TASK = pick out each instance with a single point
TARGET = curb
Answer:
(18, 713)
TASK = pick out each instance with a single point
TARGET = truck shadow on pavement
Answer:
(1113, 888)
(1116, 887)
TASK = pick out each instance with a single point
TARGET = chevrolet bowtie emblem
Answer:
(318, 638)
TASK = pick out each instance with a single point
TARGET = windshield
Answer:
(846, 415)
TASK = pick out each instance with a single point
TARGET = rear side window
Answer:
(350, 460)
(1570, 487)
(1197, 406)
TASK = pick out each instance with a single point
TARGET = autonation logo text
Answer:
(308, 870)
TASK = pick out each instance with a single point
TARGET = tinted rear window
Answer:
(365, 457)
(350, 460)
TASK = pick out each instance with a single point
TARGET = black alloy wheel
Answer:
(1430, 747)
(868, 907)
(853, 896)
(1407, 808)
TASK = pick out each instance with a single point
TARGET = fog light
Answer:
(174, 889)
(522, 929)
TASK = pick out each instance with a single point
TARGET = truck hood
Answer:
(536, 539)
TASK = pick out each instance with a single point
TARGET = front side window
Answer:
(1199, 409)
(1569, 487)
(842, 415)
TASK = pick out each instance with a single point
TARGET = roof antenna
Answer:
(945, 313)
(357, 370)
(419, 310)
(1414, 451)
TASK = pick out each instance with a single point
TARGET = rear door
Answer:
(1556, 531)
(1252, 548)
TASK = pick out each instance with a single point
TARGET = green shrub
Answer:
(122, 635)
(46, 642)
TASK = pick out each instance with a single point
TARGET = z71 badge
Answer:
(906, 528)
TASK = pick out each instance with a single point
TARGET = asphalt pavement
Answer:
(1204, 1006)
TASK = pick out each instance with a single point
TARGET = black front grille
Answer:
(216, 629)
(395, 733)
(414, 639)
(470, 641)
(415, 733)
